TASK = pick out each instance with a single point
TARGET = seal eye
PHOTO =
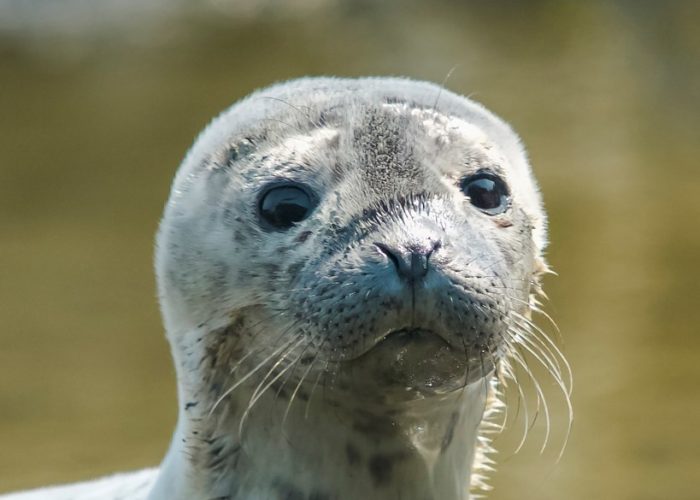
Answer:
(486, 192)
(282, 205)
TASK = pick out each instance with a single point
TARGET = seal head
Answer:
(371, 237)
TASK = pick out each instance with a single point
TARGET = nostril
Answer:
(394, 255)
(411, 265)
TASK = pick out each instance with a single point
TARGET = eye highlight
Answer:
(283, 204)
(487, 192)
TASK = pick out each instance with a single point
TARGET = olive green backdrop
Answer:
(99, 103)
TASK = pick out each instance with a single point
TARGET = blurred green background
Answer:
(99, 101)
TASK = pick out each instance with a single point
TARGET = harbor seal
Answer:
(345, 268)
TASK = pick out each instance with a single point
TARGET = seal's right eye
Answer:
(283, 204)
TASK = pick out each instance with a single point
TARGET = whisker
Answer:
(552, 349)
(305, 114)
(291, 373)
(313, 389)
(248, 375)
(522, 400)
(300, 383)
(444, 81)
(540, 398)
(539, 351)
(259, 392)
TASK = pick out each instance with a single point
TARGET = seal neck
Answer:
(321, 448)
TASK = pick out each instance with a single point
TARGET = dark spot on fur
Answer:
(222, 456)
(352, 454)
(227, 216)
(294, 269)
(280, 390)
(450, 432)
(232, 155)
(380, 468)
(237, 152)
(402, 100)
(303, 236)
(307, 360)
(316, 495)
(288, 491)
(191, 404)
(373, 425)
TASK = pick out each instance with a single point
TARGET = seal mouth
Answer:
(410, 362)
(424, 342)
(410, 334)
(399, 339)
(402, 337)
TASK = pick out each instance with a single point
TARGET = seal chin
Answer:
(413, 363)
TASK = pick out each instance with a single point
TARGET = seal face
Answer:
(377, 238)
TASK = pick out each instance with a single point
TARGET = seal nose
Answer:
(411, 265)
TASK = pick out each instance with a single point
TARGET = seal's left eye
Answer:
(282, 205)
(487, 192)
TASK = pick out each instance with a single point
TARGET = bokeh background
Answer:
(100, 100)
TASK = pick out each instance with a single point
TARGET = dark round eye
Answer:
(486, 192)
(281, 205)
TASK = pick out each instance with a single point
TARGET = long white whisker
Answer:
(248, 375)
(259, 392)
(540, 397)
(555, 351)
(299, 384)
